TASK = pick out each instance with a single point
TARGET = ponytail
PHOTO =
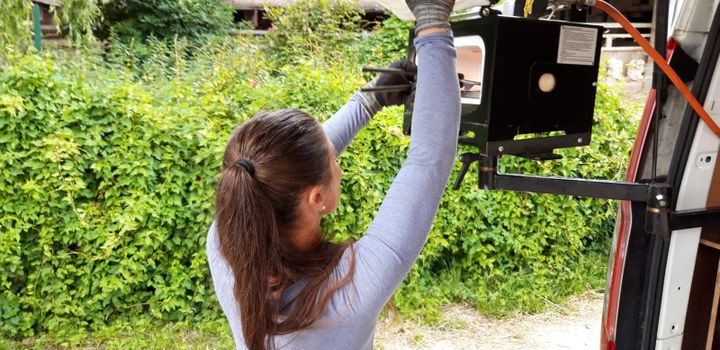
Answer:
(268, 162)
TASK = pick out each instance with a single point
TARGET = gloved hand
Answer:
(431, 13)
(376, 100)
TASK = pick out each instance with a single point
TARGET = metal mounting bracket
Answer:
(656, 195)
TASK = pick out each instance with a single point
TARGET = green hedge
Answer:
(107, 177)
(163, 19)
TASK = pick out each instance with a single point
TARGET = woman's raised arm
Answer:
(396, 236)
(344, 125)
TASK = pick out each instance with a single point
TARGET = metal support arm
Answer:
(573, 187)
(490, 179)
(659, 219)
(654, 194)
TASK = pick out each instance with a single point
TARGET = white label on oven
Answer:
(577, 45)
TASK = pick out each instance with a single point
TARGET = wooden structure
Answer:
(702, 325)
(50, 31)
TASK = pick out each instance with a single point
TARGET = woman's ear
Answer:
(315, 198)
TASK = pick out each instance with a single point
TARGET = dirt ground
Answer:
(574, 325)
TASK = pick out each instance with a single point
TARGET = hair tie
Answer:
(244, 163)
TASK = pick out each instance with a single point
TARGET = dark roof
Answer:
(365, 5)
(49, 2)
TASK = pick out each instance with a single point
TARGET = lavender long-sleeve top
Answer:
(392, 243)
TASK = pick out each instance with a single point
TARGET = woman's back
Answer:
(344, 325)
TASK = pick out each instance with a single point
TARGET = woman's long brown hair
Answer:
(289, 152)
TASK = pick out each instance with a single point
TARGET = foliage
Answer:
(80, 16)
(318, 29)
(107, 175)
(165, 19)
(94, 183)
(388, 44)
(14, 23)
(141, 334)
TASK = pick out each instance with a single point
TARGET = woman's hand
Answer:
(376, 100)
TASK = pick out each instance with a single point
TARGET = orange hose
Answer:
(617, 16)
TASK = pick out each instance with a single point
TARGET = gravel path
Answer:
(574, 325)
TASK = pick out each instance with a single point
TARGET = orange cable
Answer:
(617, 16)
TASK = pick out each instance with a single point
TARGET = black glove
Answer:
(375, 100)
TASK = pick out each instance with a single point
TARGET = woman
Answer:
(280, 284)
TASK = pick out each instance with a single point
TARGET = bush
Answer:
(15, 23)
(108, 179)
(164, 19)
(94, 183)
(321, 29)
(77, 20)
